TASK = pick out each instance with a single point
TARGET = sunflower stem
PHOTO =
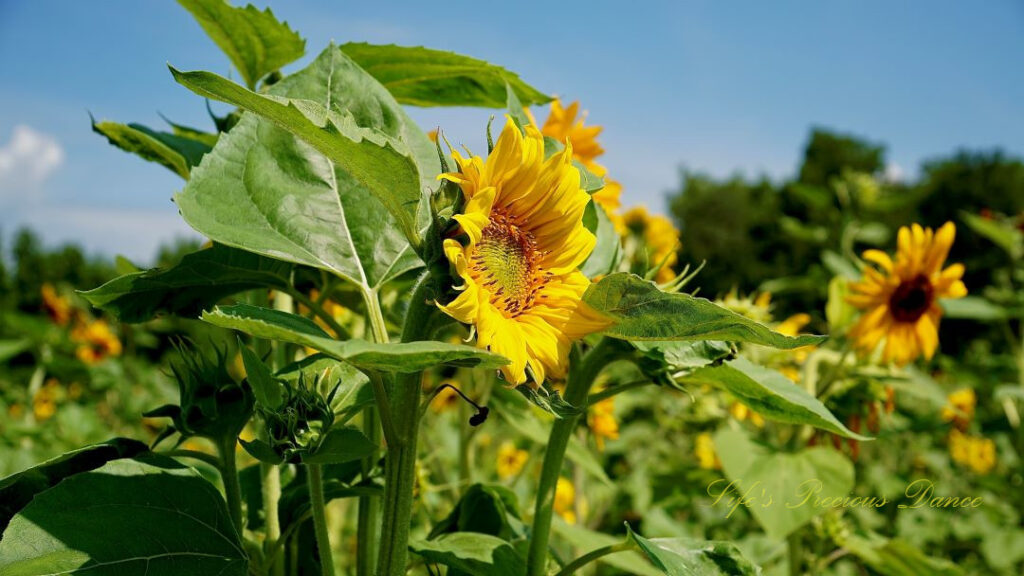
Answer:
(400, 462)
(318, 507)
(229, 476)
(367, 542)
(582, 372)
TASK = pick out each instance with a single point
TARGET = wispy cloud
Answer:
(28, 159)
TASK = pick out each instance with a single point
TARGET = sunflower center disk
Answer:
(911, 299)
(505, 262)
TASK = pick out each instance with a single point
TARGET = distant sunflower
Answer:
(521, 288)
(661, 238)
(901, 300)
(568, 125)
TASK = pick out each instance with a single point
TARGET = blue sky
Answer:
(719, 87)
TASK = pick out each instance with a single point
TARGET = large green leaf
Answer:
(641, 311)
(17, 490)
(403, 357)
(692, 557)
(149, 517)
(472, 553)
(608, 249)
(175, 152)
(425, 77)
(195, 284)
(342, 445)
(770, 394)
(256, 42)
(312, 201)
(783, 491)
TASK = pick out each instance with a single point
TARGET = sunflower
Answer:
(562, 125)
(901, 300)
(660, 237)
(524, 241)
(510, 460)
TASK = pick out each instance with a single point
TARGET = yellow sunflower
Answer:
(901, 300)
(562, 125)
(521, 288)
(660, 236)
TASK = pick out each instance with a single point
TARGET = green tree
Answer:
(828, 153)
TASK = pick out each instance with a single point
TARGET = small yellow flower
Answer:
(565, 500)
(900, 300)
(57, 307)
(525, 240)
(791, 327)
(44, 403)
(704, 449)
(96, 341)
(960, 410)
(660, 236)
(602, 422)
(756, 308)
(510, 460)
(977, 453)
(741, 412)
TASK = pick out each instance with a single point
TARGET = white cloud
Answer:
(28, 159)
(894, 173)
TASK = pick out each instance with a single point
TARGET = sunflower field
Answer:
(394, 355)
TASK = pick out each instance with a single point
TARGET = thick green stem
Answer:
(581, 378)
(318, 507)
(400, 463)
(594, 555)
(795, 554)
(229, 476)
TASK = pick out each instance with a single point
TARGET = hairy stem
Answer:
(400, 463)
(367, 543)
(581, 378)
(229, 476)
(318, 508)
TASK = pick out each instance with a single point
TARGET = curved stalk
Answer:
(581, 379)
(400, 463)
(318, 508)
(594, 555)
(229, 476)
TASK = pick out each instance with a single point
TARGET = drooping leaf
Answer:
(195, 284)
(265, 387)
(17, 490)
(685, 354)
(974, 308)
(692, 557)
(485, 509)
(771, 395)
(174, 522)
(425, 77)
(608, 249)
(255, 41)
(783, 491)
(403, 357)
(342, 445)
(266, 192)
(586, 541)
(177, 153)
(641, 311)
(472, 553)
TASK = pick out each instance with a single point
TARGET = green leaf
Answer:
(771, 395)
(643, 312)
(265, 387)
(472, 553)
(265, 190)
(692, 557)
(484, 509)
(195, 284)
(608, 249)
(425, 77)
(783, 491)
(403, 357)
(17, 490)
(261, 451)
(281, 198)
(897, 557)
(256, 42)
(686, 355)
(149, 516)
(177, 153)
(1002, 234)
(11, 348)
(973, 308)
(342, 445)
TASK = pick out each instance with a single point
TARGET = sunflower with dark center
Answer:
(900, 299)
(518, 262)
